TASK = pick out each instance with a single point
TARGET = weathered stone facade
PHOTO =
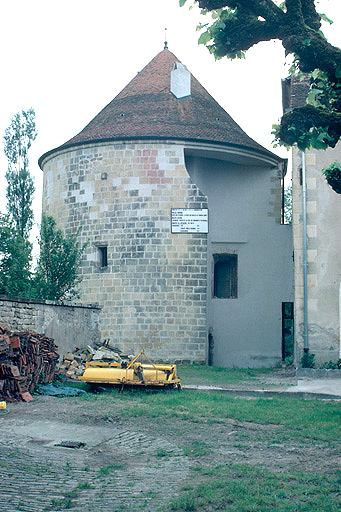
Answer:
(70, 325)
(323, 209)
(153, 288)
(164, 143)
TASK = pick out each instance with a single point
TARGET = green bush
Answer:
(332, 366)
(308, 360)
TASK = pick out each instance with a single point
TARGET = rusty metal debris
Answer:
(26, 359)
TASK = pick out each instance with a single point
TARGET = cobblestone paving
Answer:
(132, 464)
(127, 471)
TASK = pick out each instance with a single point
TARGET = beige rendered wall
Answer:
(323, 256)
(153, 291)
(245, 220)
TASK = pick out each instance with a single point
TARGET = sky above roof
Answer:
(68, 59)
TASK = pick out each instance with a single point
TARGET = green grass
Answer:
(66, 502)
(243, 488)
(63, 503)
(107, 470)
(84, 485)
(203, 374)
(162, 453)
(314, 419)
(196, 449)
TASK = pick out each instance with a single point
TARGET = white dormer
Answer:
(180, 81)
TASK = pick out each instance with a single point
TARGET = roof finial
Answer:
(166, 42)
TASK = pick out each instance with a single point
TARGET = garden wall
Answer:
(70, 325)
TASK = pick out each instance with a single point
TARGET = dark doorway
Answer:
(287, 331)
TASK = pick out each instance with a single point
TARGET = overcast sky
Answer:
(67, 59)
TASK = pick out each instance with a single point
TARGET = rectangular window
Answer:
(103, 255)
(225, 276)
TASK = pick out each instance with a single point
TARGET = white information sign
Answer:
(185, 220)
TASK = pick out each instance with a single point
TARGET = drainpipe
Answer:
(340, 321)
(305, 287)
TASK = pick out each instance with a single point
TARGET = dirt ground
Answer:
(54, 455)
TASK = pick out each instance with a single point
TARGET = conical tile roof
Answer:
(146, 109)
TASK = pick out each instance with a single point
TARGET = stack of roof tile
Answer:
(26, 359)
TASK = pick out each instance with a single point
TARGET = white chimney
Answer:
(180, 81)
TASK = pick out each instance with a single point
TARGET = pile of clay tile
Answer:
(26, 360)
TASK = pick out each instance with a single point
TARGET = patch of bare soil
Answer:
(55, 456)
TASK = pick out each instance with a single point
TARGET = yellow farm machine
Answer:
(134, 373)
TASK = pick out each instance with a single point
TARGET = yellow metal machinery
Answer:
(133, 373)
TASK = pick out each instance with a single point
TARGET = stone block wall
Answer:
(69, 325)
(275, 203)
(323, 256)
(153, 288)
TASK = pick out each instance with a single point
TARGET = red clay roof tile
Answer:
(146, 108)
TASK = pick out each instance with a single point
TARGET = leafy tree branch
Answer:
(237, 25)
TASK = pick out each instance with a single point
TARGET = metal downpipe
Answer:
(340, 321)
(305, 286)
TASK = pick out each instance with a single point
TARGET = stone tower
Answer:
(121, 179)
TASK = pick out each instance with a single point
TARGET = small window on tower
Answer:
(225, 276)
(103, 255)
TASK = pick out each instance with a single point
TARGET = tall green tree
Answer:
(57, 274)
(237, 25)
(15, 260)
(18, 139)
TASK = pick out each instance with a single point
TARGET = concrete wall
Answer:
(153, 291)
(244, 208)
(323, 256)
(69, 325)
